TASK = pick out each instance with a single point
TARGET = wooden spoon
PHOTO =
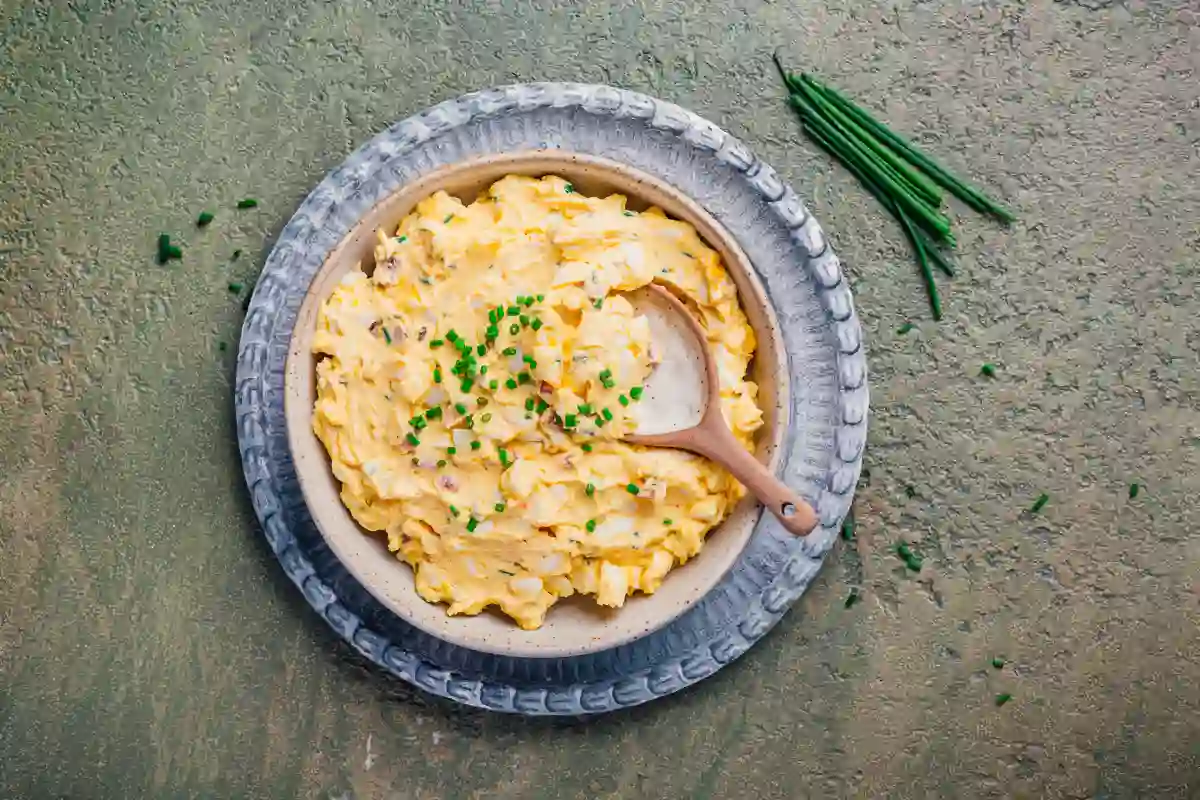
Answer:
(681, 406)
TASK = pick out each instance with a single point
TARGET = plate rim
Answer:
(259, 351)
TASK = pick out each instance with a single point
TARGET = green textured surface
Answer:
(150, 646)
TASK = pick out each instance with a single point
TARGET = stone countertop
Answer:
(151, 647)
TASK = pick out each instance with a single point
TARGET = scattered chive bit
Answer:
(466, 385)
(632, 489)
(988, 370)
(570, 420)
(541, 298)
(529, 404)
(514, 329)
(481, 349)
(469, 421)
(599, 301)
(905, 328)
(524, 320)
(591, 526)
(416, 462)
(166, 250)
(536, 324)
(204, 218)
(542, 405)
(460, 408)
(454, 510)
(499, 508)
(585, 409)
(514, 311)
(236, 255)
(1133, 490)
(412, 439)
(848, 527)
(472, 524)
(511, 383)
(401, 239)
(493, 385)
(441, 462)
(636, 393)
(451, 451)
(608, 415)
(569, 188)
(248, 202)
(509, 351)
(475, 445)
(506, 572)
(1040, 503)
(486, 417)
(503, 454)
(437, 374)
(448, 218)
(418, 423)
(529, 360)
(590, 489)
(387, 336)
(852, 598)
(434, 344)
(235, 287)
(586, 447)
(222, 346)
(1001, 699)
(623, 400)
(668, 521)
(628, 213)
(910, 559)
(998, 662)
(524, 378)
(452, 335)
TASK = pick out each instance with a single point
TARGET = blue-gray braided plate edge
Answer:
(821, 458)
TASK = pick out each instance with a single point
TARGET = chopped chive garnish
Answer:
(511, 383)
(475, 445)
(529, 404)
(514, 329)
(524, 378)
(623, 400)
(248, 202)
(509, 351)
(469, 421)
(542, 405)
(1133, 490)
(222, 346)
(529, 360)
(668, 521)
(487, 417)
(569, 189)
(460, 408)
(571, 420)
(448, 218)
(503, 455)
(851, 598)
(499, 507)
(600, 421)
(483, 370)
(590, 489)
(204, 218)
(441, 462)
(998, 663)
(437, 374)
(492, 315)
(451, 450)
(988, 370)
(528, 301)
(492, 332)
(587, 447)
(436, 343)
(524, 320)
(905, 328)
(514, 311)
(632, 488)
(910, 559)
(1040, 503)
(585, 409)
(434, 413)
(235, 287)
(541, 298)
(848, 527)
(493, 384)
(472, 524)
(481, 349)
(418, 423)
(401, 239)
(454, 510)
(599, 301)
(452, 335)
(636, 392)
(387, 336)
(536, 324)
(628, 213)
(608, 415)
(605, 374)
(591, 526)
(412, 439)
(466, 384)
(1001, 699)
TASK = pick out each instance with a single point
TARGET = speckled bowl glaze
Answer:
(823, 422)
(575, 626)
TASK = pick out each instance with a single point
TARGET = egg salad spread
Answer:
(472, 393)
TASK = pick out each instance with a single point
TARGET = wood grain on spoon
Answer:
(712, 438)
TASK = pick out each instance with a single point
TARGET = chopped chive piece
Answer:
(460, 408)
(571, 420)
(492, 332)
(636, 392)
(528, 301)
(542, 405)
(585, 409)
(541, 298)
(623, 400)
(235, 287)
(1133, 490)
(851, 599)
(487, 417)
(434, 413)
(418, 423)
(412, 439)
(608, 383)
(524, 377)
(503, 454)
(668, 521)
(452, 335)
(848, 527)
(401, 239)
(1001, 699)
(628, 213)
(998, 663)
(499, 508)
(483, 370)
(434, 344)
(441, 462)
(591, 526)
(509, 351)
(514, 311)
(905, 328)
(632, 489)
(164, 248)
(451, 451)
(416, 462)
(910, 559)
(587, 447)
(448, 218)
(514, 329)
(222, 346)
(1040, 503)
(454, 510)
(466, 384)
(475, 445)
(524, 320)
(511, 383)
(599, 301)
(469, 421)
(529, 360)
(605, 374)
(481, 349)
(387, 336)
(600, 421)
(529, 404)
(492, 315)
(204, 218)
(472, 524)
(608, 415)
(493, 384)
(536, 324)
(590, 489)
(569, 188)
(248, 202)
(437, 374)
(988, 370)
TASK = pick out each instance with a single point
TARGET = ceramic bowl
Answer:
(576, 625)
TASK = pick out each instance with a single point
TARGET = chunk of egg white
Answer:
(526, 586)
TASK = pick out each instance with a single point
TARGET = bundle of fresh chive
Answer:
(901, 177)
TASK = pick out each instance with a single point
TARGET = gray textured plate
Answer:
(821, 457)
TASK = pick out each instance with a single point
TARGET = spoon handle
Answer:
(793, 511)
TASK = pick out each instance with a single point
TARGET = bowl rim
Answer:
(332, 518)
